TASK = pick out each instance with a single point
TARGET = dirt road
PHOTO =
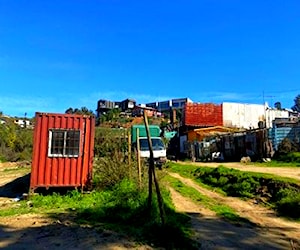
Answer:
(271, 232)
(32, 231)
(36, 231)
(291, 172)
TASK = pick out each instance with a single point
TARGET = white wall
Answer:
(248, 115)
(271, 114)
(242, 115)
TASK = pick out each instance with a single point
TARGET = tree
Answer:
(69, 111)
(81, 111)
(296, 107)
(278, 105)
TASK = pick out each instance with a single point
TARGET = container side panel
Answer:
(74, 163)
(55, 161)
(62, 160)
(49, 161)
(85, 164)
(89, 152)
(43, 150)
(67, 163)
(36, 152)
(80, 159)
(73, 172)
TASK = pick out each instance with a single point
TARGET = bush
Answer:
(284, 196)
(15, 143)
(112, 163)
(290, 157)
(287, 151)
(288, 202)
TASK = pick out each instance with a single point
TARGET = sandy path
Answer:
(40, 232)
(291, 172)
(272, 232)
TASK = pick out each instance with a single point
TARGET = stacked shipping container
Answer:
(203, 115)
(234, 115)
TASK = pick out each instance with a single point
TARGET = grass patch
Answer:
(275, 163)
(122, 208)
(17, 170)
(283, 194)
(291, 157)
(220, 209)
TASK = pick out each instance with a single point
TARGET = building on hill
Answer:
(104, 106)
(163, 106)
(151, 112)
(23, 123)
(127, 104)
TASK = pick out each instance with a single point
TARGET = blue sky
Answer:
(60, 54)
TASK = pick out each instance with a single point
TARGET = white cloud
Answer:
(19, 105)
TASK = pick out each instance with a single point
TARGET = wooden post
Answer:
(129, 151)
(159, 199)
(129, 147)
(151, 161)
(152, 173)
(138, 157)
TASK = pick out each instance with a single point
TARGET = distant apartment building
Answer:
(151, 112)
(103, 106)
(162, 106)
(127, 104)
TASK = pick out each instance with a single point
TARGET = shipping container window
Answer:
(64, 143)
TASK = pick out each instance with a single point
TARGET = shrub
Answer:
(287, 151)
(15, 143)
(288, 202)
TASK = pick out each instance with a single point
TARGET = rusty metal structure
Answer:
(63, 151)
(203, 115)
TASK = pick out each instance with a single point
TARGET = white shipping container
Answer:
(271, 114)
(243, 115)
(249, 115)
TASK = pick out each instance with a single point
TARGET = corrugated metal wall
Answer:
(62, 170)
(243, 115)
(275, 113)
(249, 115)
(203, 114)
(277, 135)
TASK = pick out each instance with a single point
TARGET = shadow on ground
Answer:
(16, 187)
(63, 233)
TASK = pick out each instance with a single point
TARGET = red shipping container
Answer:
(203, 115)
(63, 150)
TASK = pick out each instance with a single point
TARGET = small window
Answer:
(64, 143)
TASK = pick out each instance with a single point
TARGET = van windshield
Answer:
(157, 144)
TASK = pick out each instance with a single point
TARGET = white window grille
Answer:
(64, 143)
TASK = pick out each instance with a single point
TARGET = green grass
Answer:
(293, 157)
(122, 208)
(220, 209)
(188, 171)
(275, 163)
(248, 185)
(17, 170)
